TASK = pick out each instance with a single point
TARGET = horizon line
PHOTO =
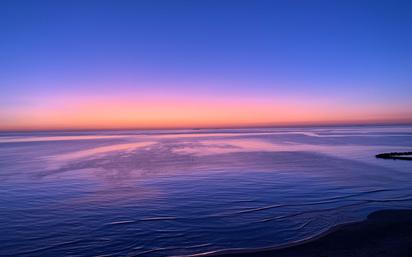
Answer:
(291, 125)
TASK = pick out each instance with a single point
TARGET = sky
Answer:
(194, 64)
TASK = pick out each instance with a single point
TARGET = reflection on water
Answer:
(97, 151)
(164, 193)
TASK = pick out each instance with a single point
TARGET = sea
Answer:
(192, 192)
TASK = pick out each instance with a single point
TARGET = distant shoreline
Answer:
(384, 233)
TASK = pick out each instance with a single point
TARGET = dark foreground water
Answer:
(167, 193)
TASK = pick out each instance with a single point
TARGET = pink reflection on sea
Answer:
(225, 146)
(61, 159)
(100, 150)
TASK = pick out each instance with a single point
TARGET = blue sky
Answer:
(346, 53)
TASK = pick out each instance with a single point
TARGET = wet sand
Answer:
(386, 233)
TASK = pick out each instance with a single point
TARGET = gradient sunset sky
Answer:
(174, 64)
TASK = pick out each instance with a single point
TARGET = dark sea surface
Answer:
(182, 192)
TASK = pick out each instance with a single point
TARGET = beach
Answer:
(384, 233)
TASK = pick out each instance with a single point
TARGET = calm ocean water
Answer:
(182, 192)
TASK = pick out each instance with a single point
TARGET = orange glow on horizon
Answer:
(132, 112)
